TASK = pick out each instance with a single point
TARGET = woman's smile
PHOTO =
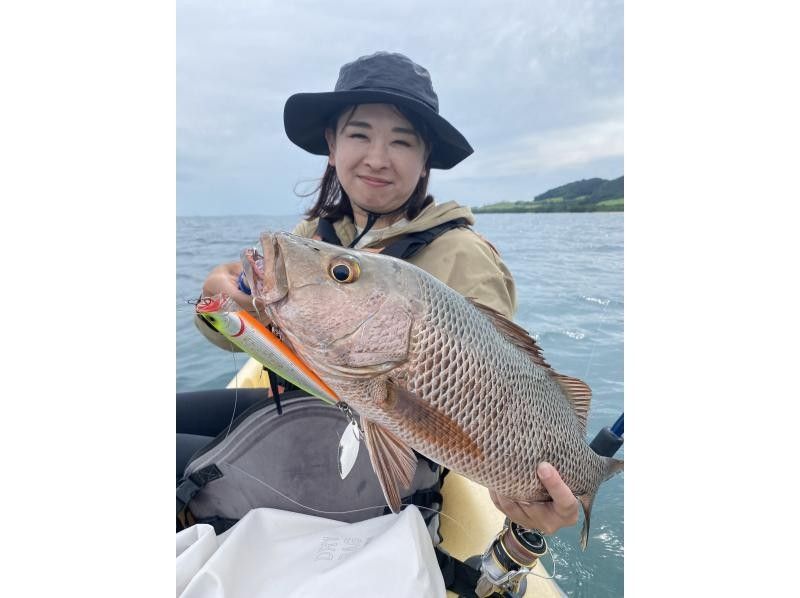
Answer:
(373, 181)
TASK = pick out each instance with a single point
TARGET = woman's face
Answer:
(378, 157)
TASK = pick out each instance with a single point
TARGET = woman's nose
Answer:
(377, 156)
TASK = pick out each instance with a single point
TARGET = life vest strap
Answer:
(412, 243)
(188, 488)
(403, 248)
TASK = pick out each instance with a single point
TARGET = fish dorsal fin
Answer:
(579, 395)
(392, 459)
(514, 333)
(577, 391)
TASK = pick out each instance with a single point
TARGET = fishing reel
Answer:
(507, 561)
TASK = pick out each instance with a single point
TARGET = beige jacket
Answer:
(460, 258)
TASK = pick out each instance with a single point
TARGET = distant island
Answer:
(587, 195)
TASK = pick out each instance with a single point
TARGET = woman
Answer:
(382, 133)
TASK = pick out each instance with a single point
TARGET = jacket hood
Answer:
(436, 214)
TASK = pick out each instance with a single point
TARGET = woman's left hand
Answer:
(547, 517)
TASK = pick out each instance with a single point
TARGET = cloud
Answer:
(545, 151)
(535, 86)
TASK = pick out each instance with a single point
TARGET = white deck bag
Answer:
(193, 547)
(290, 555)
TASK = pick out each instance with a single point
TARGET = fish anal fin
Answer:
(428, 423)
(579, 395)
(393, 461)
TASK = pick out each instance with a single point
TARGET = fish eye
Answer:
(344, 269)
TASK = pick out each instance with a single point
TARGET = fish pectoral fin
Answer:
(579, 395)
(427, 422)
(393, 461)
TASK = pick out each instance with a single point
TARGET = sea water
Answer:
(568, 269)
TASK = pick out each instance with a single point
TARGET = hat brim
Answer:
(306, 115)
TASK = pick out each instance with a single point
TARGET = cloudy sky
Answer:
(536, 86)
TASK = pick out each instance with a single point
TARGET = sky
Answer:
(536, 87)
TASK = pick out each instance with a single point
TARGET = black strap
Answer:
(327, 233)
(458, 576)
(189, 486)
(403, 248)
(410, 244)
(276, 392)
(372, 218)
(427, 498)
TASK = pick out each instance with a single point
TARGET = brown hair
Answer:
(332, 200)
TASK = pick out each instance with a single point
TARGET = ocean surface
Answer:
(569, 274)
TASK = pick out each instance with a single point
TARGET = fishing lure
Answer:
(252, 337)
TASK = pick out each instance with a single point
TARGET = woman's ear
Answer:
(331, 139)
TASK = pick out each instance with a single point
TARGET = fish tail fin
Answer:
(613, 467)
(586, 501)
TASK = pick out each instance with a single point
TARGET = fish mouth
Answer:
(266, 271)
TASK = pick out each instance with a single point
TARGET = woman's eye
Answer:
(358, 136)
(402, 142)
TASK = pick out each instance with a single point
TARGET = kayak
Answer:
(469, 521)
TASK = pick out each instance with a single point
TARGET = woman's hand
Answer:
(225, 279)
(547, 517)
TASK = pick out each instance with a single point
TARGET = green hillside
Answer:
(586, 195)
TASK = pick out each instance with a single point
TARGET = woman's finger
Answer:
(564, 501)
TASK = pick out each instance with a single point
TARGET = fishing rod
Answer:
(512, 555)
(609, 440)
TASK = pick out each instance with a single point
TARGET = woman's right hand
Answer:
(225, 279)
(548, 517)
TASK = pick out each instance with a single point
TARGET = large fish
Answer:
(428, 370)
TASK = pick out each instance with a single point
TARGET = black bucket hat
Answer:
(381, 78)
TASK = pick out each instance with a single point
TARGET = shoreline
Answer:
(553, 205)
(491, 211)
